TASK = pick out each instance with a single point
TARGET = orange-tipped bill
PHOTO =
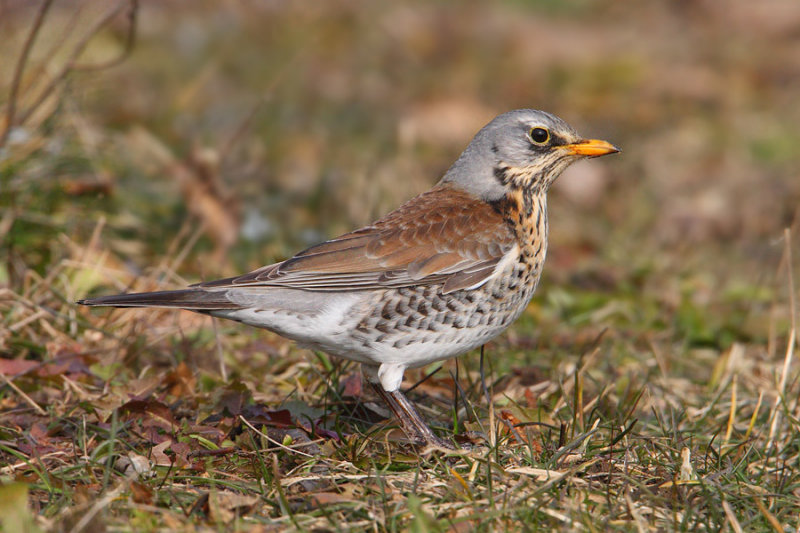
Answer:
(591, 148)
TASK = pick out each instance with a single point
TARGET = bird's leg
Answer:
(410, 421)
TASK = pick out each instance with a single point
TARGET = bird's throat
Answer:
(513, 178)
(525, 212)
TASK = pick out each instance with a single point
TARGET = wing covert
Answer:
(444, 236)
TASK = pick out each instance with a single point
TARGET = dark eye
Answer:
(540, 135)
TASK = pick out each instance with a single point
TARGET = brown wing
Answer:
(442, 236)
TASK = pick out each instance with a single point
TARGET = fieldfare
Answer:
(438, 276)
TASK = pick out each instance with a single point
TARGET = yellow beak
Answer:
(591, 148)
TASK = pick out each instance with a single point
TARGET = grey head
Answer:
(522, 149)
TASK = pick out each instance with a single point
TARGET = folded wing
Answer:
(443, 236)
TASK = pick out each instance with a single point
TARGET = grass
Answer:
(650, 385)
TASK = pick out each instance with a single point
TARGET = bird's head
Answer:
(523, 149)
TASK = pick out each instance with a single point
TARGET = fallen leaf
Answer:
(259, 414)
(531, 399)
(224, 506)
(134, 465)
(159, 457)
(180, 381)
(234, 398)
(182, 451)
(207, 197)
(141, 493)
(540, 474)
(321, 499)
(93, 186)
(137, 409)
(351, 385)
(154, 418)
(15, 367)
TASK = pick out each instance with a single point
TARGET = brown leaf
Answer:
(141, 388)
(531, 399)
(182, 451)
(200, 505)
(207, 197)
(63, 362)
(438, 386)
(13, 367)
(39, 433)
(180, 381)
(352, 385)
(212, 433)
(321, 499)
(234, 398)
(137, 409)
(58, 349)
(198, 176)
(40, 443)
(154, 417)
(224, 506)
(158, 456)
(512, 421)
(134, 465)
(83, 494)
(259, 414)
(88, 186)
(73, 367)
(141, 493)
(521, 434)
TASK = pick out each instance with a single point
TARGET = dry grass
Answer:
(651, 384)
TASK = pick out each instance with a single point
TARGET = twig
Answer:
(423, 380)
(223, 368)
(71, 62)
(735, 525)
(776, 525)
(492, 428)
(97, 507)
(273, 441)
(7, 470)
(130, 41)
(20, 68)
(6, 222)
(755, 416)
(24, 396)
(787, 361)
(641, 525)
(732, 413)
(27, 320)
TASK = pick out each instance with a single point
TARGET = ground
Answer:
(651, 384)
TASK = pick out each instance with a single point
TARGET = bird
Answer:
(440, 275)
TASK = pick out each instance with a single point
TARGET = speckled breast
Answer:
(419, 325)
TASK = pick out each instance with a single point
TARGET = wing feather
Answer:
(444, 236)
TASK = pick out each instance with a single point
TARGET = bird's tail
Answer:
(193, 299)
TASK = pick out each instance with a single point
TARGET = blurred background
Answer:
(203, 139)
(145, 145)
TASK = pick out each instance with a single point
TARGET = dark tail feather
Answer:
(194, 299)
